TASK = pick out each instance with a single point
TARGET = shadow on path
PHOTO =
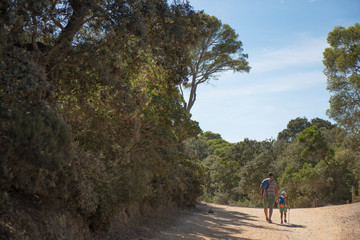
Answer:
(219, 223)
(292, 225)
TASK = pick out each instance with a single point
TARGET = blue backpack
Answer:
(265, 184)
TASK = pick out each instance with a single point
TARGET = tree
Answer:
(322, 124)
(197, 147)
(322, 175)
(208, 135)
(342, 69)
(315, 144)
(218, 50)
(294, 127)
(90, 109)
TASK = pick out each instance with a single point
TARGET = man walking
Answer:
(269, 194)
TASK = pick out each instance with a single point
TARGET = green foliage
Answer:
(253, 173)
(90, 110)
(222, 179)
(216, 147)
(36, 145)
(92, 117)
(210, 136)
(287, 154)
(323, 182)
(335, 137)
(139, 148)
(294, 127)
(341, 62)
(246, 150)
(39, 139)
(316, 165)
(323, 177)
(322, 124)
(197, 147)
(316, 148)
(229, 168)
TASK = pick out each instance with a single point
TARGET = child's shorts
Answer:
(282, 207)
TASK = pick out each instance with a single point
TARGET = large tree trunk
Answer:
(192, 96)
(54, 56)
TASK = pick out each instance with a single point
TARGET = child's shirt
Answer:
(282, 203)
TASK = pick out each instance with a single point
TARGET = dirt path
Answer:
(226, 222)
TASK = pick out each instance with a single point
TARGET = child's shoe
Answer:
(282, 221)
(285, 220)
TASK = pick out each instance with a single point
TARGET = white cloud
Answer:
(305, 52)
(256, 85)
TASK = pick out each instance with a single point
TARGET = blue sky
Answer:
(285, 40)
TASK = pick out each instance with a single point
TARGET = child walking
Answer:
(283, 205)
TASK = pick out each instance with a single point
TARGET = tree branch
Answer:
(75, 23)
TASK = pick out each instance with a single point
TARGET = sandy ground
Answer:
(227, 222)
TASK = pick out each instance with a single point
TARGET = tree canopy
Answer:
(90, 111)
(342, 69)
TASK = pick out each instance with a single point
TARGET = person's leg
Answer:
(266, 204)
(281, 214)
(285, 216)
(271, 205)
(266, 213)
(270, 213)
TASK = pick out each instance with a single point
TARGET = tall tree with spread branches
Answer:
(218, 50)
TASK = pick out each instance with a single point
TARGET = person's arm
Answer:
(261, 193)
(278, 203)
(277, 194)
